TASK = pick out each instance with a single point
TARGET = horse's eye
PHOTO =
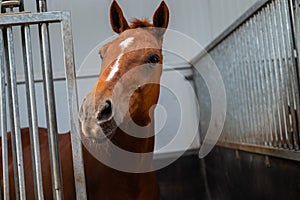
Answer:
(153, 59)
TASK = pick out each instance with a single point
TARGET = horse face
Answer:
(128, 85)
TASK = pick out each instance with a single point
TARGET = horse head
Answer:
(128, 86)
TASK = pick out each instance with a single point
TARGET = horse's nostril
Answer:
(105, 112)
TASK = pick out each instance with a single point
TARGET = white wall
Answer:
(200, 20)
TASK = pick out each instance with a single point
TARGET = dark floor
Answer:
(230, 177)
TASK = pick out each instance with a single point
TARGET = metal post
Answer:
(266, 35)
(294, 7)
(282, 78)
(51, 113)
(263, 44)
(291, 74)
(15, 119)
(3, 117)
(50, 105)
(32, 113)
(73, 109)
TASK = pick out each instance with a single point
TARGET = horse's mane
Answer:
(137, 23)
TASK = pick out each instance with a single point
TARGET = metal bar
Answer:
(57, 188)
(12, 136)
(259, 84)
(50, 105)
(283, 79)
(268, 37)
(254, 78)
(238, 87)
(249, 88)
(296, 27)
(297, 41)
(290, 116)
(41, 5)
(246, 87)
(235, 103)
(219, 56)
(261, 61)
(277, 67)
(271, 151)
(73, 108)
(291, 72)
(262, 38)
(239, 58)
(29, 18)
(50, 112)
(14, 112)
(262, 56)
(242, 79)
(229, 71)
(32, 112)
(3, 118)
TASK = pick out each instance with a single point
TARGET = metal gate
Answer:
(258, 57)
(11, 19)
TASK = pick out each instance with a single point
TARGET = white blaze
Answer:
(124, 44)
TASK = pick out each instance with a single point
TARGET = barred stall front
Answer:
(12, 19)
(258, 59)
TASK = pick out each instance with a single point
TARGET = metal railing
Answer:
(258, 59)
(8, 82)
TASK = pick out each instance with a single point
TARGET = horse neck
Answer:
(127, 138)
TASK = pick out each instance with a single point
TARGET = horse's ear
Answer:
(117, 19)
(161, 18)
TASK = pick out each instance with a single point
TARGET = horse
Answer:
(123, 98)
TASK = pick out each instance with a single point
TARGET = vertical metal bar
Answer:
(245, 87)
(291, 73)
(239, 87)
(73, 108)
(226, 72)
(236, 108)
(256, 74)
(3, 118)
(51, 113)
(268, 37)
(258, 68)
(12, 136)
(50, 105)
(14, 112)
(277, 67)
(294, 8)
(283, 79)
(236, 88)
(297, 40)
(262, 38)
(250, 90)
(230, 71)
(249, 80)
(290, 117)
(32, 112)
(264, 80)
(41, 5)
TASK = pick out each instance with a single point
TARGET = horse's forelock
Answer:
(137, 23)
